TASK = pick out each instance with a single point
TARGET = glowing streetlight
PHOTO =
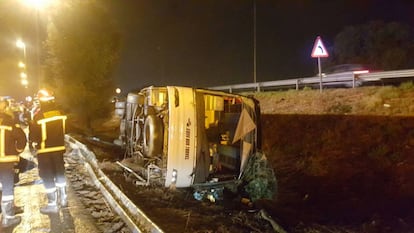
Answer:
(23, 75)
(24, 82)
(22, 65)
(37, 4)
(20, 44)
(118, 90)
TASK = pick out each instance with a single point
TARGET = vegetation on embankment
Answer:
(343, 155)
(373, 100)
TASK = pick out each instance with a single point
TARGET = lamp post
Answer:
(37, 5)
(24, 82)
(23, 75)
(116, 97)
(20, 44)
(22, 65)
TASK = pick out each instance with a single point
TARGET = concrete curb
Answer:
(134, 217)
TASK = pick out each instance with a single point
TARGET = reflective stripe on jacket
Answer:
(52, 131)
(12, 139)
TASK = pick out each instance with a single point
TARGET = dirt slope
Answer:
(382, 101)
(342, 157)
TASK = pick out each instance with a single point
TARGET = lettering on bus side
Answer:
(187, 139)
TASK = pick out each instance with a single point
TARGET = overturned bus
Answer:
(182, 136)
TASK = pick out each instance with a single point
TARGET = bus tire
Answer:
(153, 136)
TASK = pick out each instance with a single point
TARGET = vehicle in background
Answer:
(340, 75)
(356, 68)
(182, 136)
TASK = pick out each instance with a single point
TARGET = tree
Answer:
(384, 45)
(82, 50)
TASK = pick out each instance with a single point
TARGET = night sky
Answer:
(210, 43)
(206, 43)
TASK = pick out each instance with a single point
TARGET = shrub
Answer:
(406, 86)
(371, 103)
(339, 108)
(259, 178)
(388, 92)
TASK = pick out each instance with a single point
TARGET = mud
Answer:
(342, 170)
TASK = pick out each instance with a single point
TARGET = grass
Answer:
(372, 100)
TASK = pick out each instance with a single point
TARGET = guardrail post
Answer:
(297, 84)
(258, 87)
(353, 80)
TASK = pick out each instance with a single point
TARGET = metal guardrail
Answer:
(134, 217)
(378, 76)
(349, 79)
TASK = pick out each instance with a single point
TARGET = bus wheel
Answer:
(153, 136)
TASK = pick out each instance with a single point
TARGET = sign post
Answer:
(319, 51)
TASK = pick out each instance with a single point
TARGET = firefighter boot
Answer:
(62, 196)
(8, 217)
(51, 207)
(18, 210)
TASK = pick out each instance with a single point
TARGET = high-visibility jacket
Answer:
(12, 139)
(48, 131)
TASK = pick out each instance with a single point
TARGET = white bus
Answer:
(181, 136)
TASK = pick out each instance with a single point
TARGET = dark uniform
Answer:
(12, 142)
(47, 130)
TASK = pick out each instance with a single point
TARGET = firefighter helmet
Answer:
(4, 103)
(45, 96)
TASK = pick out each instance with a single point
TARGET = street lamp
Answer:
(24, 82)
(20, 44)
(22, 65)
(38, 5)
(23, 75)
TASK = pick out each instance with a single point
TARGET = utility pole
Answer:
(38, 48)
(254, 42)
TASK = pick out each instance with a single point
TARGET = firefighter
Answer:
(47, 130)
(12, 142)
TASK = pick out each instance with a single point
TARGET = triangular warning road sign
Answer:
(319, 49)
